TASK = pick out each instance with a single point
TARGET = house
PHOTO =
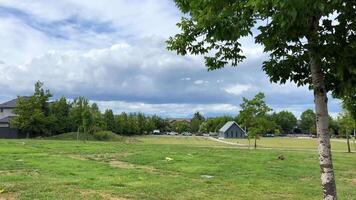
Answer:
(231, 130)
(6, 114)
(174, 120)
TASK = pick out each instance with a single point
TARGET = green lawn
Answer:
(293, 143)
(162, 168)
(196, 141)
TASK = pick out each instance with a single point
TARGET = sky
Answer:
(114, 53)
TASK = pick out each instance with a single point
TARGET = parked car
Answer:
(172, 133)
(269, 135)
(187, 134)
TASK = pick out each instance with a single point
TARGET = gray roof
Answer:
(179, 120)
(6, 120)
(11, 103)
(228, 125)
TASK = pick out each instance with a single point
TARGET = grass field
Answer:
(293, 143)
(162, 168)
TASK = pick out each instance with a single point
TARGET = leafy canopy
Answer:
(214, 27)
(307, 121)
(285, 119)
(31, 112)
(252, 109)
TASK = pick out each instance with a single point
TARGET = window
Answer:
(1, 110)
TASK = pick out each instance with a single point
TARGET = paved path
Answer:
(226, 142)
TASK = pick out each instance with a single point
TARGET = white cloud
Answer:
(200, 82)
(186, 79)
(237, 89)
(115, 50)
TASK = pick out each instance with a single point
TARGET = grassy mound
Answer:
(98, 136)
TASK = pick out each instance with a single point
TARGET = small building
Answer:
(232, 130)
(6, 114)
(6, 131)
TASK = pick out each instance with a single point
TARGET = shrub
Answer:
(103, 135)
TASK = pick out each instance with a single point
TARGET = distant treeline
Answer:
(37, 116)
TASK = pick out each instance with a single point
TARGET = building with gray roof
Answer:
(231, 130)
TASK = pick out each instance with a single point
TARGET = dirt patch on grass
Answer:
(110, 158)
(8, 196)
(100, 157)
(113, 161)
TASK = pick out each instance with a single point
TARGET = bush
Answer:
(104, 135)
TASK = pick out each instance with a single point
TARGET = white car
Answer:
(172, 133)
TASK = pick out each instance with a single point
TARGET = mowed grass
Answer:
(139, 169)
(181, 140)
(293, 143)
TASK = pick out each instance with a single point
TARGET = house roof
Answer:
(228, 125)
(6, 120)
(171, 120)
(11, 104)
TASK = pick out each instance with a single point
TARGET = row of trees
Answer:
(37, 116)
(257, 116)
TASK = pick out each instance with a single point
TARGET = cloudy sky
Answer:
(114, 53)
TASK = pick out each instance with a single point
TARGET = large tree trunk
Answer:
(321, 108)
(322, 127)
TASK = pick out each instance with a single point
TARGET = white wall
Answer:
(4, 125)
(6, 113)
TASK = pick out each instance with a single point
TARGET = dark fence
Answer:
(9, 133)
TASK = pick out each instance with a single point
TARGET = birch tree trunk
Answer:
(322, 120)
(322, 128)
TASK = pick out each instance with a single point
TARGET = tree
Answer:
(59, 116)
(251, 109)
(98, 121)
(347, 125)
(307, 119)
(122, 121)
(196, 121)
(32, 112)
(286, 120)
(334, 126)
(181, 126)
(203, 128)
(214, 124)
(159, 123)
(253, 116)
(87, 121)
(309, 42)
(109, 120)
(79, 106)
(261, 125)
